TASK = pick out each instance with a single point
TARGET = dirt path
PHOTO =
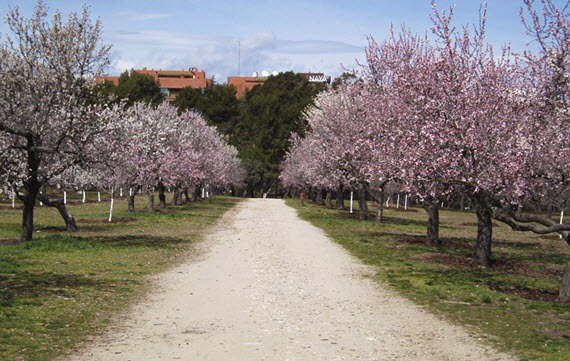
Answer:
(269, 286)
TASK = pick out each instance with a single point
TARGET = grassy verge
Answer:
(512, 305)
(61, 287)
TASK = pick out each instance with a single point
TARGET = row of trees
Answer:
(156, 148)
(55, 131)
(444, 114)
(258, 126)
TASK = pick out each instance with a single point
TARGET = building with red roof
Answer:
(171, 81)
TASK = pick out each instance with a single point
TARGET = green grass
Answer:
(512, 305)
(61, 287)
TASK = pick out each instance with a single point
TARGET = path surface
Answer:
(269, 286)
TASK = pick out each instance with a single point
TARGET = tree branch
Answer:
(9, 130)
(550, 226)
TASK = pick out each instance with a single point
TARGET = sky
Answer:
(233, 37)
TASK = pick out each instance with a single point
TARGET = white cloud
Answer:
(316, 47)
(120, 65)
(260, 40)
(218, 56)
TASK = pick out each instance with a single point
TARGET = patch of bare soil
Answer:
(8, 242)
(51, 229)
(474, 224)
(4, 206)
(535, 294)
(114, 220)
(526, 269)
(402, 209)
(563, 335)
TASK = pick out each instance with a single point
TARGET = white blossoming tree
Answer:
(46, 120)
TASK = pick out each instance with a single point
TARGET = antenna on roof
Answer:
(239, 54)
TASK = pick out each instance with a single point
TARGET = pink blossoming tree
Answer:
(336, 150)
(156, 148)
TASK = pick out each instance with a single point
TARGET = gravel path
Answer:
(269, 286)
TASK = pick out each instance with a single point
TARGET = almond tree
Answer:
(303, 168)
(548, 71)
(459, 117)
(46, 69)
(468, 119)
(135, 151)
(197, 155)
(401, 69)
(155, 148)
(338, 147)
(313, 161)
(476, 141)
(230, 171)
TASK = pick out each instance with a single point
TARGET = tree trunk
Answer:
(320, 201)
(340, 198)
(196, 194)
(30, 190)
(362, 204)
(131, 201)
(151, 201)
(380, 208)
(565, 288)
(161, 195)
(29, 200)
(432, 210)
(67, 217)
(179, 201)
(62, 209)
(484, 231)
(175, 196)
(186, 195)
(329, 199)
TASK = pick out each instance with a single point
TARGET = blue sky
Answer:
(314, 35)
